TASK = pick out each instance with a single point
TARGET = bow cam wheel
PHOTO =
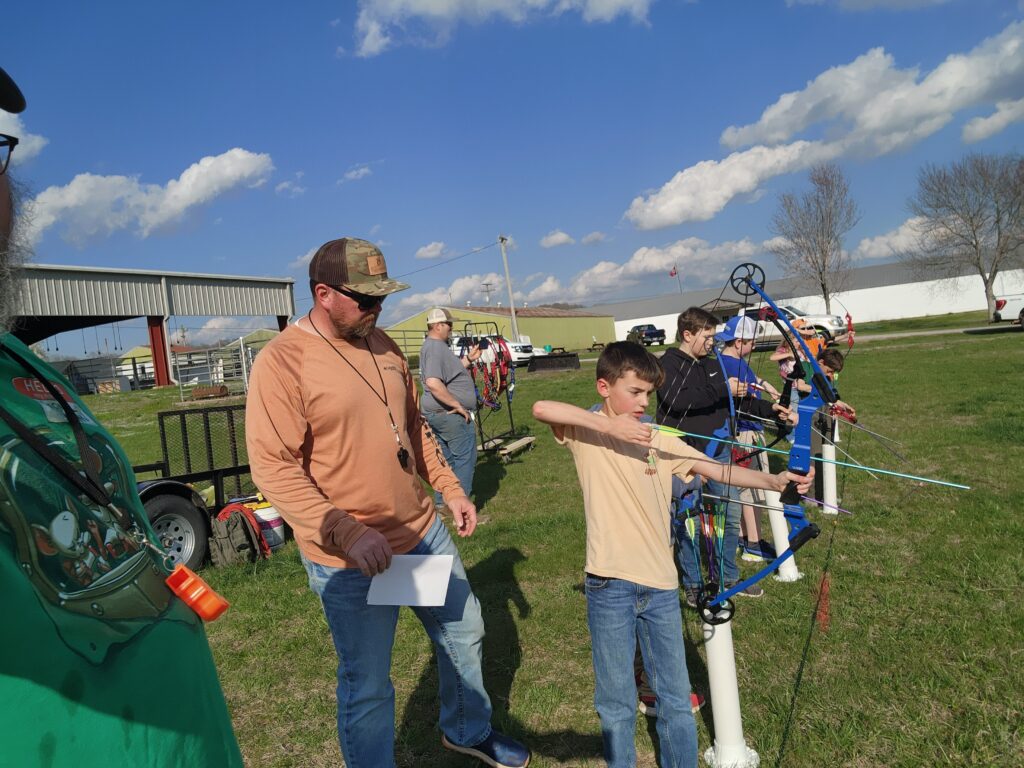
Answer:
(744, 277)
(714, 614)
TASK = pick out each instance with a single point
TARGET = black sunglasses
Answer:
(363, 300)
(7, 145)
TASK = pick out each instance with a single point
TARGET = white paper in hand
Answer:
(412, 580)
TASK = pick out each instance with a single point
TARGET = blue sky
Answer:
(610, 139)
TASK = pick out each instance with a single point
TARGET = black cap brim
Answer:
(11, 99)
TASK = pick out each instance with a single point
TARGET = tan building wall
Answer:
(570, 329)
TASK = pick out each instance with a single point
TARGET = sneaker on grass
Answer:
(497, 750)
(757, 551)
(754, 590)
(692, 594)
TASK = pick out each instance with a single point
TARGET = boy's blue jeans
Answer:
(458, 444)
(363, 638)
(620, 613)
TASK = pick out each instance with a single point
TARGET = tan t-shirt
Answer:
(322, 450)
(627, 490)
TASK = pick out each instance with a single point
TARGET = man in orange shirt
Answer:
(337, 443)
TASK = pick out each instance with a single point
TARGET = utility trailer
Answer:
(204, 446)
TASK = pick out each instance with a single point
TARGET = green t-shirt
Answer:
(100, 665)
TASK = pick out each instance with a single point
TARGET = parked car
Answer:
(522, 350)
(1009, 308)
(831, 327)
(646, 334)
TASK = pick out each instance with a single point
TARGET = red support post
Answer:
(158, 348)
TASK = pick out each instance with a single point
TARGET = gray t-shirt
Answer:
(437, 361)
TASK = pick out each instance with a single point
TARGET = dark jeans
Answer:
(458, 443)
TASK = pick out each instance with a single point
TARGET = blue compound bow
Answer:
(748, 280)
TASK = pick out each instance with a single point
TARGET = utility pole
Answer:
(508, 284)
(488, 290)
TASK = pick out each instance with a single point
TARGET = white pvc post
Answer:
(780, 536)
(828, 470)
(245, 368)
(730, 749)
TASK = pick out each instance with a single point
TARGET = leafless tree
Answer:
(969, 216)
(810, 229)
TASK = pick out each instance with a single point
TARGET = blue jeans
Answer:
(619, 613)
(363, 638)
(685, 556)
(458, 444)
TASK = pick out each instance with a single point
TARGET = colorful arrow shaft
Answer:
(681, 433)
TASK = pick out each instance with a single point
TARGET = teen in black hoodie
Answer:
(697, 397)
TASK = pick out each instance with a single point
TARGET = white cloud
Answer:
(981, 128)
(93, 206)
(548, 291)
(555, 238)
(699, 263)
(29, 144)
(384, 24)
(303, 261)
(594, 237)
(431, 250)
(217, 328)
(356, 173)
(904, 238)
(455, 294)
(532, 278)
(868, 108)
(289, 189)
(699, 192)
(840, 91)
(870, 5)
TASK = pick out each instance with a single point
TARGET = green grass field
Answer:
(921, 665)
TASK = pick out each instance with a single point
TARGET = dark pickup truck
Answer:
(646, 334)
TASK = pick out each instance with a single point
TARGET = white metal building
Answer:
(879, 292)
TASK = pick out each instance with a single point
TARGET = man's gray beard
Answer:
(357, 330)
(14, 253)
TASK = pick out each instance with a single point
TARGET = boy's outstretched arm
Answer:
(751, 478)
(558, 415)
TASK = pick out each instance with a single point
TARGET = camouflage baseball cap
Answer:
(355, 265)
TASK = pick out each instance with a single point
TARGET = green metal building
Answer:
(545, 326)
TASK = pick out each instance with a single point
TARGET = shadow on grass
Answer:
(1003, 328)
(417, 739)
(487, 479)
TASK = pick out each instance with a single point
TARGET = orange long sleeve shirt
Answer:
(322, 449)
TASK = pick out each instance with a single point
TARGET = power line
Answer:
(449, 261)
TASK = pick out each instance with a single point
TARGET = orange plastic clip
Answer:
(196, 593)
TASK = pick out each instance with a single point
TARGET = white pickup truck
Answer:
(1009, 308)
(831, 327)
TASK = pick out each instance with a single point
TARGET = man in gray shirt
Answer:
(449, 398)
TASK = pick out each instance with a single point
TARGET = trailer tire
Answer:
(178, 520)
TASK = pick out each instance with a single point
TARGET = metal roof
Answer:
(56, 298)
